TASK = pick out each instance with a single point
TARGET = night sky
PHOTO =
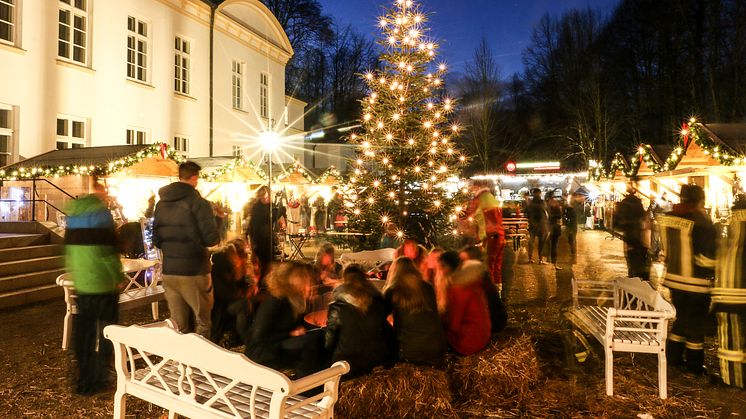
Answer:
(458, 24)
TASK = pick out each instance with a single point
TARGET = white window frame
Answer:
(9, 132)
(182, 65)
(71, 7)
(67, 137)
(264, 95)
(287, 116)
(238, 70)
(236, 151)
(133, 135)
(181, 144)
(138, 60)
(12, 24)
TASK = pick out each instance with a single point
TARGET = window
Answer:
(70, 132)
(181, 66)
(287, 117)
(73, 30)
(264, 95)
(7, 21)
(181, 144)
(237, 85)
(6, 135)
(237, 151)
(137, 49)
(136, 136)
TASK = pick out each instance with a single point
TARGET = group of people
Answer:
(429, 302)
(704, 273)
(545, 220)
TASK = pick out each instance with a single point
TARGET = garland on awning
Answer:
(232, 165)
(162, 150)
(691, 132)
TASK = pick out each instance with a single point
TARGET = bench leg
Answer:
(66, 329)
(155, 310)
(609, 355)
(120, 404)
(662, 378)
(171, 414)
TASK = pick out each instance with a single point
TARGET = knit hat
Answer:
(691, 194)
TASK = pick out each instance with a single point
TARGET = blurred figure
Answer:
(259, 231)
(629, 218)
(278, 339)
(536, 212)
(390, 239)
(432, 265)
(485, 209)
(326, 266)
(418, 254)
(418, 328)
(689, 239)
(495, 302)
(230, 288)
(183, 228)
(466, 317)
(357, 330)
(571, 215)
(93, 261)
(554, 222)
(729, 299)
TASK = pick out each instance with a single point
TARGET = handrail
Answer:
(35, 200)
(56, 187)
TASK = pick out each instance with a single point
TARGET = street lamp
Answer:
(269, 141)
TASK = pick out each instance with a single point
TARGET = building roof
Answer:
(732, 135)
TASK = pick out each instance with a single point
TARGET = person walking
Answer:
(536, 212)
(554, 218)
(689, 239)
(629, 218)
(485, 209)
(259, 231)
(183, 228)
(571, 216)
(729, 300)
(93, 261)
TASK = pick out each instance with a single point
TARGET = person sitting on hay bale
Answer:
(466, 317)
(357, 330)
(418, 329)
(278, 339)
(498, 314)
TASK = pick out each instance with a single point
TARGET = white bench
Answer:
(190, 376)
(368, 259)
(637, 322)
(134, 294)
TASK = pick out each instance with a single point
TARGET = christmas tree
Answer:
(406, 149)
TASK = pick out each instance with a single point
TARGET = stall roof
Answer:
(733, 135)
(85, 156)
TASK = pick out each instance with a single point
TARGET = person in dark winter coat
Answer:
(554, 221)
(536, 212)
(259, 231)
(357, 330)
(570, 216)
(629, 218)
(278, 338)
(230, 288)
(690, 245)
(467, 317)
(183, 228)
(419, 333)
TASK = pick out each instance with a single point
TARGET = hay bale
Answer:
(405, 390)
(500, 375)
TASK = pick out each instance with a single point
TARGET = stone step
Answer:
(30, 252)
(30, 295)
(29, 280)
(17, 267)
(10, 240)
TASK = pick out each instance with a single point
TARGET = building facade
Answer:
(85, 73)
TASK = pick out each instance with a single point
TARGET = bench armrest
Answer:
(320, 378)
(640, 314)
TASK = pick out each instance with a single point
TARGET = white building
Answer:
(77, 73)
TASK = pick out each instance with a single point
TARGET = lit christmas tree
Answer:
(406, 151)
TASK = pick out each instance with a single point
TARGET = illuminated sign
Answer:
(539, 166)
(510, 167)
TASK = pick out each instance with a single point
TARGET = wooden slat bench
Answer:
(190, 376)
(637, 322)
(134, 294)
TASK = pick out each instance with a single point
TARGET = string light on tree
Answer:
(405, 124)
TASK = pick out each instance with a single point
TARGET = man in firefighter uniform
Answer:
(485, 209)
(729, 299)
(689, 239)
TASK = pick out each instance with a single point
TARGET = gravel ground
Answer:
(35, 373)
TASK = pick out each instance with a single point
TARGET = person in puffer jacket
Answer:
(93, 261)
(357, 330)
(183, 228)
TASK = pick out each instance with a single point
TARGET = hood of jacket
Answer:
(360, 296)
(471, 272)
(176, 191)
